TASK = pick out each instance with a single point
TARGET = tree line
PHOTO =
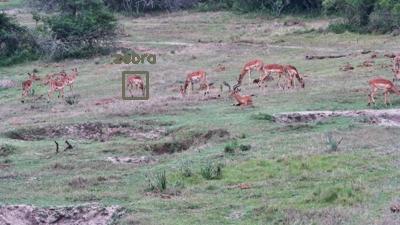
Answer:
(83, 28)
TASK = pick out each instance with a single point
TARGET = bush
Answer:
(244, 148)
(231, 147)
(185, 169)
(7, 149)
(136, 7)
(16, 43)
(78, 28)
(157, 182)
(332, 143)
(211, 171)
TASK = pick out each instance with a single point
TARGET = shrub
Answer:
(332, 143)
(244, 148)
(157, 182)
(78, 28)
(263, 116)
(7, 149)
(16, 43)
(231, 147)
(211, 171)
(185, 169)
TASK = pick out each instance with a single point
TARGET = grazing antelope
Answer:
(243, 100)
(380, 83)
(27, 84)
(294, 73)
(136, 81)
(55, 85)
(268, 69)
(248, 67)
(195, 77)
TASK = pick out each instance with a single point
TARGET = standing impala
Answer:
(195, 77)
(248, 67)
(27, 84)
(380, 83)
(136, 81)
(280, 70)
(70, 79)
(55, 85)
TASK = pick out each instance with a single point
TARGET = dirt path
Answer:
(388, 117)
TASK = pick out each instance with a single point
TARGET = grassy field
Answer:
(288, 176)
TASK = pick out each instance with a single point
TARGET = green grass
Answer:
(293, 177)
(11, 4)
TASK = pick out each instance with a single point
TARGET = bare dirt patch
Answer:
(27, 215)
(91, 130)
(173, 144)
(389, 117)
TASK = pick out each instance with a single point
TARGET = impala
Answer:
(294, 73)
(70, 79)
(55, 85)
(195, 77)
(380, 83)
(280, 70)
(27, 84)
(135, 81)
(396, 63)
(242, 100)
(396, 74)
(248, 67)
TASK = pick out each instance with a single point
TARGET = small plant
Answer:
(185, 169)
(263, 116)
(7, 149)
(332, 143)
(244, 148)
(157, 182)
(242, 136)
(231, 147)
(71, 100)
(211, 171)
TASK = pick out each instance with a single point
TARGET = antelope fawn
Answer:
(27, 84)
(135, 81)
(242, 100)
(195, 77)
(248, 68)
(380, 83)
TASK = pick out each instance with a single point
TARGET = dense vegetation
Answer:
(82, 28)
(16, 43)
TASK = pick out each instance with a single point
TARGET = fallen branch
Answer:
(56, 146)
(311, 57)
(69, 146)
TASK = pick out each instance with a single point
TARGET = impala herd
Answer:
(56, 82)
(288, 73)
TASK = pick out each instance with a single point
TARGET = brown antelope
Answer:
(380, 83)
(280, 70)
(136, 81)
(294, 73)
(70, 79)
(242, 100)
(396, 63)
(255, 64)
(27, 84)
(55, 85)
(195, 77)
